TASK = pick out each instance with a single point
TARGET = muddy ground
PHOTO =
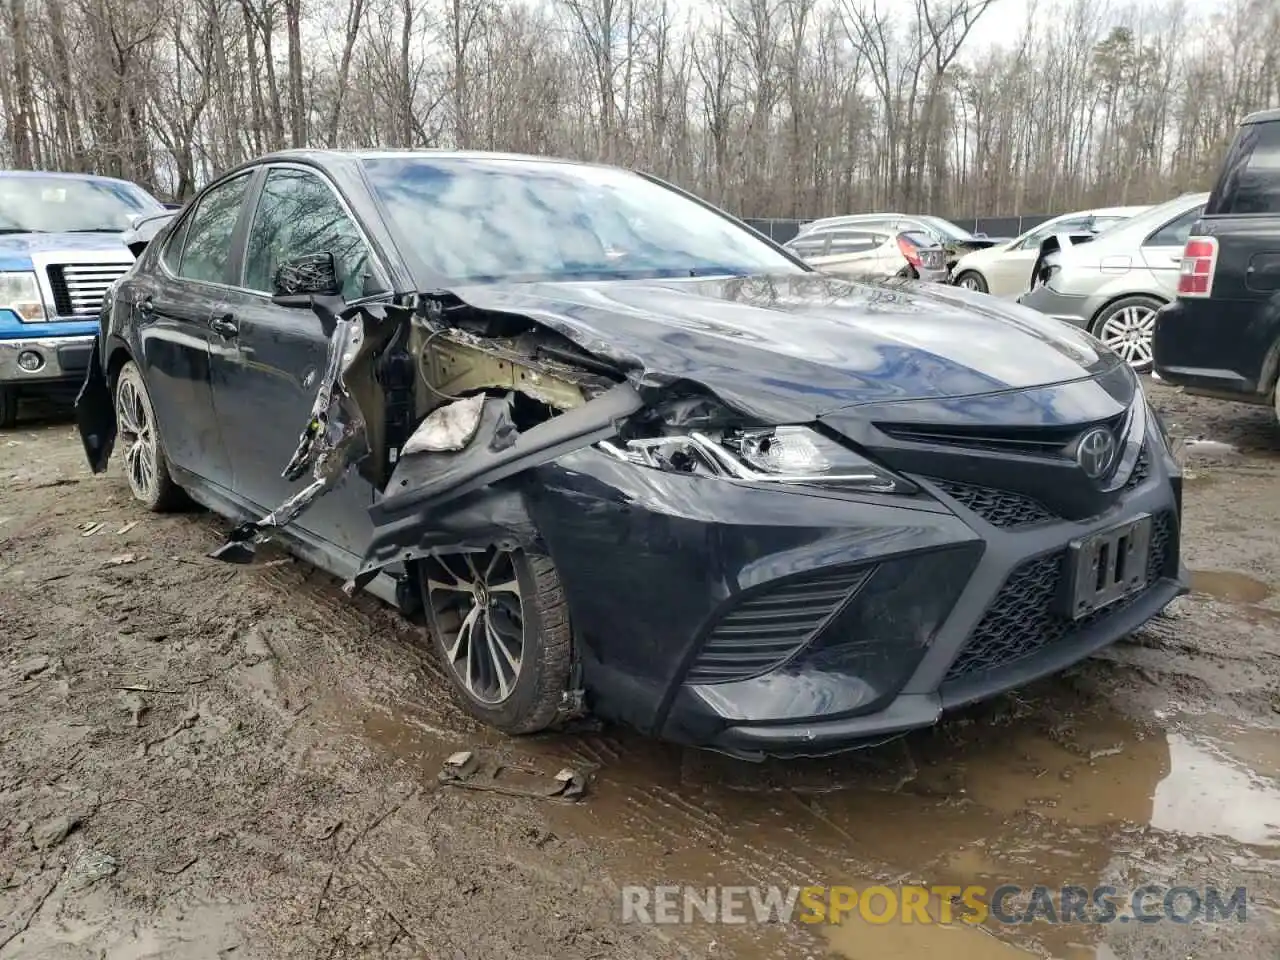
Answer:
(209, 761)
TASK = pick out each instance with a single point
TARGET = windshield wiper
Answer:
(95, 230)
(20, 230)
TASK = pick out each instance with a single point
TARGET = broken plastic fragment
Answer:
(473, 771)
(447, 428)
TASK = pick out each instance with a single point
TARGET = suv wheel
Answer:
(500, 625)
(972, 280)
(145, 465)
(1126, 327)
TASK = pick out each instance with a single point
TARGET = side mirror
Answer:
(298, 280)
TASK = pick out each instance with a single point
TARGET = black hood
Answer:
(790, 348)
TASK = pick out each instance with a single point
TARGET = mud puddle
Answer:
(1230, 586)
(1052, 788)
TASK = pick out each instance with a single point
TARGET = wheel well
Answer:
(115, 363)
(1093, 321)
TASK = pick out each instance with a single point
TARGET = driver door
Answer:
(264, 400)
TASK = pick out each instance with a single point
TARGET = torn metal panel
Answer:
(337, 434)
(424, 483)
(454, 362)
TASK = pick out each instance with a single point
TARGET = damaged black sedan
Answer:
(624, 455)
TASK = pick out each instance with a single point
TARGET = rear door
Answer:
(173, 306)
(1162, 250)
(854, 253)
(1236, 327)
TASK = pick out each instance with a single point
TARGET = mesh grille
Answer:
(1022, 619)
(768, 628)
(1141, 470)
(1001, 508)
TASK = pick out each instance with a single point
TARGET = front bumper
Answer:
(1077, 311)
(673, 582)
(62, 359)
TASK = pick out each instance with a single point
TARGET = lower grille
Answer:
(1022, 619)
(769, 627)
(78, 288)
(1000, 508)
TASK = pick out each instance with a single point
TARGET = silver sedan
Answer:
(1113, 285)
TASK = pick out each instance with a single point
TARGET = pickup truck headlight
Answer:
(20, 293)
(789, 454)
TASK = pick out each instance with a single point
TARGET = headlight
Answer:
(792, 455)
(20, 293)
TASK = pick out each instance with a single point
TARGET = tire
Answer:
(517, 701)
(1126, 327)
(8, 408)
(972, 280)
(145, 466)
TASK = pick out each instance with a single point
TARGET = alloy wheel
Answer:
(970, 282)
(1128, 332)
(479, 613)
(137, 431)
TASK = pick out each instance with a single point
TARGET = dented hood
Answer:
(791, 348)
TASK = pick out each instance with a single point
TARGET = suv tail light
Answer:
(1199, 260)
(908, 250)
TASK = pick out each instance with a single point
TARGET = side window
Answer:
(849, 241)
(207, 247)
(299, 215)
(1250, 180)
(808, 246)
(172, 255)
(1175, 232)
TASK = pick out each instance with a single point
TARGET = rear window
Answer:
(918, 239)
(1250, 178)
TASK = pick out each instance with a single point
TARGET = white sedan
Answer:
(1005, 269)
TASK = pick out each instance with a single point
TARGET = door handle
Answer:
(224, 325)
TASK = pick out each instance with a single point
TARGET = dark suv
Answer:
(1221, 337)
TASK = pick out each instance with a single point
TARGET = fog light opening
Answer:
(30, 361)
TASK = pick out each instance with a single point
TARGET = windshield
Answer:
(69, 205)
(948, 229)
(491, 219)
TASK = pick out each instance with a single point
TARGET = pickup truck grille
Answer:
(78, 288)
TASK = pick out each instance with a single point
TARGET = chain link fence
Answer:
(782, 229)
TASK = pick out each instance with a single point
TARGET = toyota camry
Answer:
(620, 454)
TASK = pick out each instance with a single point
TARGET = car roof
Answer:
(1117, 211)
(320, 156)
(65, 175)
(1262, 116)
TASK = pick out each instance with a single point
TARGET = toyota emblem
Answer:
(1094, 453)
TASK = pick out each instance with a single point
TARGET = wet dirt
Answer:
(202, 760)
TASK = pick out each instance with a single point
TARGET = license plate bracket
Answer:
(1107, 566)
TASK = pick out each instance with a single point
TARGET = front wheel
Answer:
(1126, 326)
(500, 625)
(972, 280)
(145, 465)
